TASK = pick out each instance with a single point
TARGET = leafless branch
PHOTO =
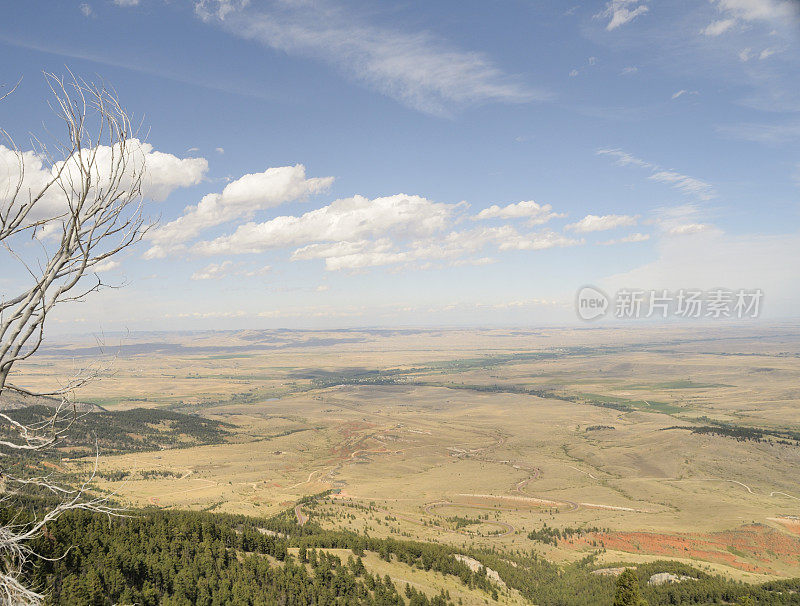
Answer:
(69, 205)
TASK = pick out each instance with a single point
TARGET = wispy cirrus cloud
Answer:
(680, 220)
(684, 183)
(734, 14)
(418, 69)
(769, 11)
(718, 27)
(620, 12)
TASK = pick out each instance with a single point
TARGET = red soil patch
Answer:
(791, 524)
(759, 544)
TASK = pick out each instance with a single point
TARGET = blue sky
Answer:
(326, 164)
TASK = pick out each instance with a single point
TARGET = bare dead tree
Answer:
(65, 208)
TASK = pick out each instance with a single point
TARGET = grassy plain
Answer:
(478, 437)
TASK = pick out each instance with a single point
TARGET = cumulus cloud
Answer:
(345, 220)
(454, 248)
(163, 173)
(241, 198)
(684, 183)
(538, 241)
(687, 228)
(620, 12)
(536, 214)
(417, 69)
(637, 237)
(108, 265)
(404, 231)
(592, 223)
(213, 271)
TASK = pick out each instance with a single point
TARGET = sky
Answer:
(318, 164)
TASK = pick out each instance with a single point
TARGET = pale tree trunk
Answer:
(88, 209)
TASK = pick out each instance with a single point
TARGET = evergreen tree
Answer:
(627, 593)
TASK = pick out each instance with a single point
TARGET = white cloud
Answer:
(163, 173)
(535, 213)
(213, 271)
(239, 199)
(681, 220)
(759, 10)
(86, 10)
(344, 220)
(107, 265)
(637, 237)
(688, 185)
(687, 228)
(538, 241)
(417, 69)
(684, 183)
(624, 158)
(261, 271)
(718, 27)
(126, 2)
(620, 12)
(766, 53)
(592, 223)
(627, 71)
(683, 92)
(734, 12)
(477, 262)
(745, 54)
(220, 150)
(574, 73)
(453, 248)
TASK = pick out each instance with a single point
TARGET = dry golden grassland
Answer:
(416, 430)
